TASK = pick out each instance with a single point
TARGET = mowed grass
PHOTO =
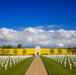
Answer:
(53, 68)
(18, 69)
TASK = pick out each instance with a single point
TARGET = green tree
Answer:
(69, 50)
(9, 46)
(51, 50)
(59, 51)
(74, 48)
(2, 51)
(24, 52)
(15, 52)
(7, 52)
(4, 47)
(19, 46)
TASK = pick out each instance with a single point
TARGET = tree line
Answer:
(70, 50)
(15, 52)
(10, 46)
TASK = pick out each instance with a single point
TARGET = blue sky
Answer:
(31, 13)
(47, 23)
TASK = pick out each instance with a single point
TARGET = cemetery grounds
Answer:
(60, 64)
(15, 65)
(54, 64)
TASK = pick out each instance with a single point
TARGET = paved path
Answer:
(36, 67)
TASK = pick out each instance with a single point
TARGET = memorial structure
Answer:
(37, 50)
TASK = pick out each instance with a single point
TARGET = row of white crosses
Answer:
(9, 61)
(64, 60)
(73, 59)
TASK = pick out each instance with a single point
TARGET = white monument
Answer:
(37, 50)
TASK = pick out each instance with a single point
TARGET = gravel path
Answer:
(36, 67)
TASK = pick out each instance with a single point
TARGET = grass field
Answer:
(18, 69)
(53, 68)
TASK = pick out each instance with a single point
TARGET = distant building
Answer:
(37, 50)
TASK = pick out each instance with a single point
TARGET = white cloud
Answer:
(52, 26)
(33, 36)
(39, 27)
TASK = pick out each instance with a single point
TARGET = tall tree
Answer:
(3, 51)
(59, 51)
(74, 49)
(9, 46)
(69, 50)
(24, 52)
(19, 46)
(7, 52)
(4, 47)
(51, 50)
(15, 52)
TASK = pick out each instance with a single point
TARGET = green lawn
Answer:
(53, 68)
(18, 69)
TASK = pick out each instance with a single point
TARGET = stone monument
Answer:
(37, 50)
